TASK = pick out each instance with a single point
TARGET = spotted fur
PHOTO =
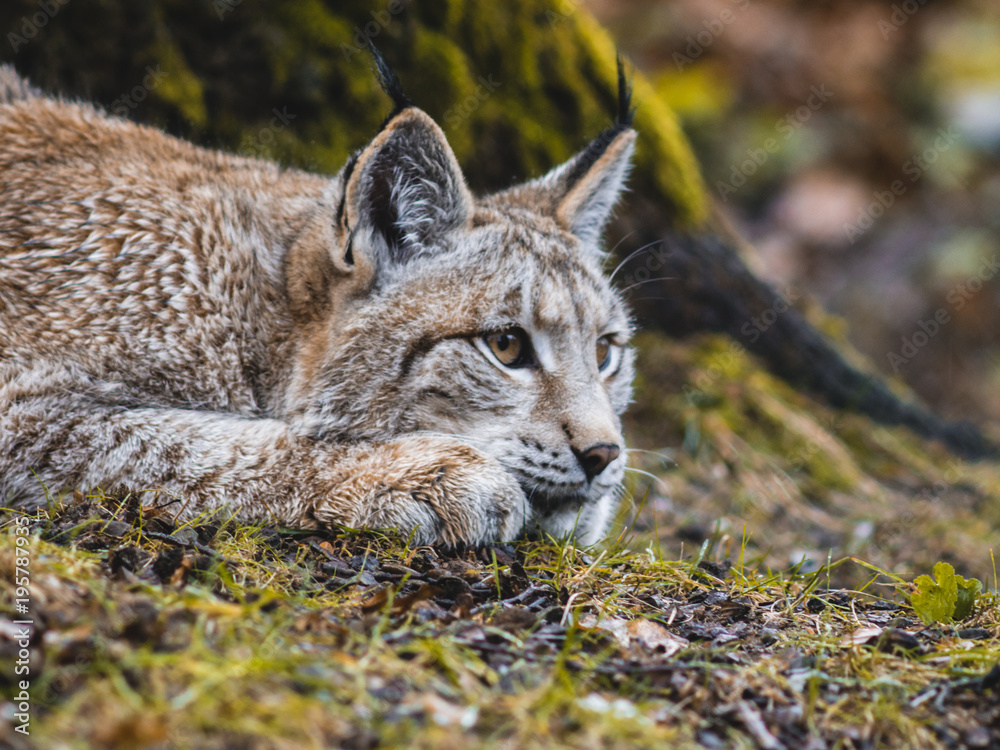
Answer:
(304, 348)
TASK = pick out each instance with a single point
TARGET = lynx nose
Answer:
(596, 458)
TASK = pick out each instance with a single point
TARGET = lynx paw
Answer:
(440, 490)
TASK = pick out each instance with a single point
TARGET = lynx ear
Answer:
(581, 193)
(406, 190)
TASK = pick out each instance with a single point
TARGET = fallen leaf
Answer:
(861, 636)
(375, 602)
(951, 597)
(405, 603)
(648, 633)
(655, 637)
(180, 573)
(617, 626)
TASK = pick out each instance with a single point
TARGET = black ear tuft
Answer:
(623, 121)
(626, 112)
(581, 193)
(389, 81)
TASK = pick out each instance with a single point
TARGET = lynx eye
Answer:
(511, 347)
(606, 352)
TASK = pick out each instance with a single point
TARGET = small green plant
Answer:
(949, 599)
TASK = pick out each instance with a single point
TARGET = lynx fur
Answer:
(305, 349)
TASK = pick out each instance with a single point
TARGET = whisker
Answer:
(647, 281)
(612, 250)
(646, 473)
(623, 239)
(642, 299)
(665, 455)
(622, 495)
(630, 256)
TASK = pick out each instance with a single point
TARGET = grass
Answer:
(756, 596)
(227, 635)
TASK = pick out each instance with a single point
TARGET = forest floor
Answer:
(147, 633)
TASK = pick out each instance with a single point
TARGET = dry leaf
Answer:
(376, 601)
(655, 637)
(403, 604)
(861, 636)
(180, 573)
(647, 633)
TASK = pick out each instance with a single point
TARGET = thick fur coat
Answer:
(306, 349)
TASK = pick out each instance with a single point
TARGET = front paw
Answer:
(440, 491)
(477, 501)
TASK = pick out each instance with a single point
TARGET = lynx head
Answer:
(489, 319)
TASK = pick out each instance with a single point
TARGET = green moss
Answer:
(663, 155)
(270, 661)
(230, 65)
(180, 87)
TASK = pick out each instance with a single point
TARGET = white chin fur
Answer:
(587, 526)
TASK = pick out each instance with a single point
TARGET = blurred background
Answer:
(857, 145)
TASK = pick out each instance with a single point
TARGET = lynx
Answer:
(379, 348)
